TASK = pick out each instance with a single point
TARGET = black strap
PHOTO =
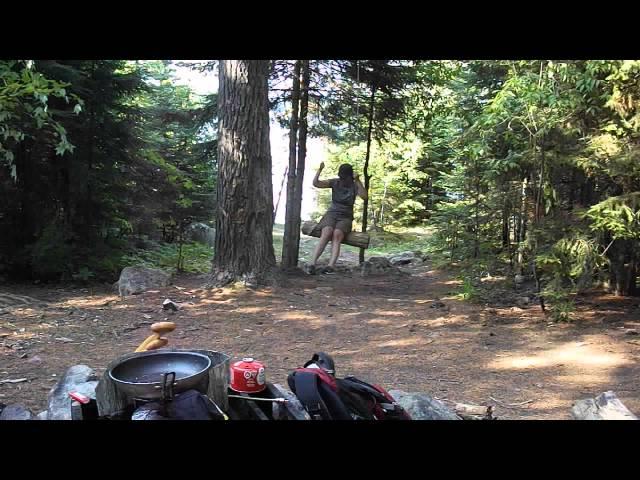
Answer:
(306, 384)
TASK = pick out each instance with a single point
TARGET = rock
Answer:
(403, 258)
(134, 280)
(16, 412)
(423, 407)
(42, 415)
(377, 266)
(631, 332)
(35, 359)
(519, 279)
(169, 305)
(523, 301)
(78, 378)
(437, 305)
(201, 233)
(324, 289)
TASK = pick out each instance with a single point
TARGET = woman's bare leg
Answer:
(338, 236)
(325, 236)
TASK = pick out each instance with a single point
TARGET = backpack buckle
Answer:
(315, 411)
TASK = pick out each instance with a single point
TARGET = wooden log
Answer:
(605, 406)
(355, 239)
(112, 401)
(474, 412)
(293, 409)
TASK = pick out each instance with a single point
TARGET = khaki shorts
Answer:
(335, 220)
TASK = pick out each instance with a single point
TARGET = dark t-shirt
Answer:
(342, 198)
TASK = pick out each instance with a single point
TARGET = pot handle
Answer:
(167, 386)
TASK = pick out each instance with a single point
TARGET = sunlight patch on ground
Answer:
(492, 279)
(229, 301)
(403, 342)
(321, 322)
(572, 354)
(378, 321)
(295, 316)
(389, 313)
(98, 301)
(249, 310)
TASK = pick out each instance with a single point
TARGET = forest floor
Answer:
(384, 329)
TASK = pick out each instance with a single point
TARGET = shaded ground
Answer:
(382, 329)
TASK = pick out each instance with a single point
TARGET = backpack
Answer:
(326, 397)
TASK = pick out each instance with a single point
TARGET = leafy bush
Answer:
(196, 257)
(51, 254)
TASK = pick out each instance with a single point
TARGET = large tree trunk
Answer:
(289, 259)
(367, 177)
(244, 222)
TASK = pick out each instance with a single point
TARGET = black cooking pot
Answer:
(158, 375)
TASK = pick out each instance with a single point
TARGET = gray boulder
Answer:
(423, 407)
(376, 265)
(379, 266)
(78, 378)
(403, 258)
(201, 233)
(16, 412)
(134, 280)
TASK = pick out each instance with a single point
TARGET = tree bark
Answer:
(244, 222)
(289, 259)
(624, 268)
(476, 240)
(506, 213)
(302, 156)
(367, 177)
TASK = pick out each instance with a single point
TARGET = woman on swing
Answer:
(336, 222)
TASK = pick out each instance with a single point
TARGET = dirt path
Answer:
(382, 329)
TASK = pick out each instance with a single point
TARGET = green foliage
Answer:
(467, 290)
(571, 262)
(25, 109)
(620, 216)
(51, 254)
(142, 161)
(196, 257)
(562, 307)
